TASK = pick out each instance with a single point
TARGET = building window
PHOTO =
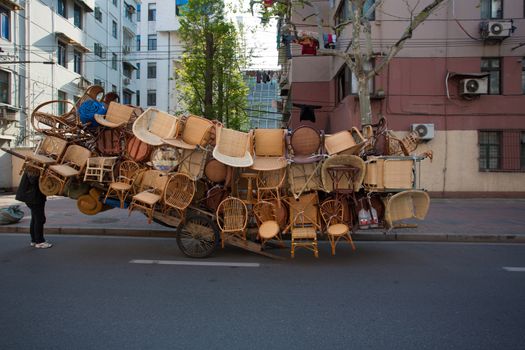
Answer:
(138, 42)
(98, 50)
(77, 16)
(138, 71)
(5, 23)
(493, 67)
(491, 9)
(138, 12)
(114, 61)
(62, 97)
(152, 42)
(5, 82)
(343, 12)
(98, 14)
(152, 12)
(489, 150)
(127, 97)
(152, 98)
(501, 150)
(77, 61)
(114, 29)
(61, 54)
(61, 8)
(113, 88)
(152, 70)
(115, 2)
(343, 83)
(137, 93)
(98, 82)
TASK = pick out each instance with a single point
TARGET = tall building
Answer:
(460, 77)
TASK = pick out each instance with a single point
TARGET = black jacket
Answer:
(29, 192)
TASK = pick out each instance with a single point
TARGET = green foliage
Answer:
(212, 44)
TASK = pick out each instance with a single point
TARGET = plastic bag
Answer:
(11, 215)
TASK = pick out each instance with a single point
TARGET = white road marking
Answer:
(194, 263)
(514, 269)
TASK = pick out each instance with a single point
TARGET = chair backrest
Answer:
(52, 147)
(305, 141)
(128, 171)
(332, 212)
(93, 92)
(303, 211)
(118, 113)
(153, 180)
(197, 130)
(232, 215)
(193, 162)
(264, 211)
(344, 140)
(76, 157)
(179, 192)
(232, 143)
(271, 178)
(163, 124)
(269, 142)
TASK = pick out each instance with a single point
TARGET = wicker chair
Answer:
(344, 182)
(344, 142)
(390, 173)
(266, 218)
(304, 223)
(270, 184)
(269, 149)
(232, 217)
(406, 205)
(332, 212)
(151, 187)
(128, 171)
(232, 148)
(153, 125)
(179, 193)
(192, 162)
(117, 115)
(196, 133)
(49, 152)
(72, 165)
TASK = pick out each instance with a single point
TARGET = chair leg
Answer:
(332, 243)
(292, 248)
(222, 239)
(350, 240)
(316, 251)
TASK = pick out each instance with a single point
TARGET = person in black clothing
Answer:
(29, 193)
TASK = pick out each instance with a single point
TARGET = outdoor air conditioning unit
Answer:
(473, 86)
(425, 131)
(495, 30)
(127, 81)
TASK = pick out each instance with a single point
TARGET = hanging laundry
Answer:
(329, 41)
(307, 112)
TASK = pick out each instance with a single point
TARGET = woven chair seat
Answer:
(64, 170)
(41, 159)
(179, 143)
(120, 186)
(100, 119)
(269, 229)
(269, 163)
(147, 197)
(337, 229)
(304, 232)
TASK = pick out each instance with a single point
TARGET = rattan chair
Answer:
(49, 151)
(192, 162)
(344, 142)
(117, 115)
(100, 169)
(195, 133)
(390, 173)
(232, 217)
(128, 172)
(270, 184)
(72, 164)
(151, 191)
(406, 205)
(232, 147)
(179, 193)
(269, 149)
(304, 223)
(266, 217)
(332, 212)
(153, 125)
(344, 182)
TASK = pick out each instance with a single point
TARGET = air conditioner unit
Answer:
(127, 81)
(473, 86)
(425, 131)
(495, 30)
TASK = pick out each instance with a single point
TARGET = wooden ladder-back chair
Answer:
(72, 165)
(100, 169)
(116, 116)
(153, 125)
(179, 193)
(332, 212)
(233, 147)
(266, 217)
(128, 171)
(49, 152)
(269, 149)
(151, 191)
(270, 184)
(232, 217)
(304, 223)
(344, 142)
(195, 133)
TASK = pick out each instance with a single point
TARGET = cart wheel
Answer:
(197, 236)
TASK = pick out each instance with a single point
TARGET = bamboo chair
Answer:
(151, 187)
(153, 125)
(71, 165)
(332, 212)
(270, 184)
(344, 142)
(179, 193)
(232, 217)
(116, 116)
(128, 172)
(232, 147)
(49, 152)
(304, 223)
(269, 149)
(406, 205)
(195, 133)
(266, 218)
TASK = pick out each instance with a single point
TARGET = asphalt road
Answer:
(85, 294)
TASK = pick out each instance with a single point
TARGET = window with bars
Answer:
(501, 150)
(493, 67)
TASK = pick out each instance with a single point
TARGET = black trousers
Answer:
(38, 219)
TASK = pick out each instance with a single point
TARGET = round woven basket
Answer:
(48, 185)
(138, 150)
(89, 205)
(215, 171)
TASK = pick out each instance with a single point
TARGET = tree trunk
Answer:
(365, 107)
(220, 93)
(208, 82)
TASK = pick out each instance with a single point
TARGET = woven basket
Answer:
(348, 160)
(344, 142)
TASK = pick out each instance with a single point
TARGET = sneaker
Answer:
(43, 245)
(33, 244)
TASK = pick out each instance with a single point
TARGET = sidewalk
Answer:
(458, 220)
